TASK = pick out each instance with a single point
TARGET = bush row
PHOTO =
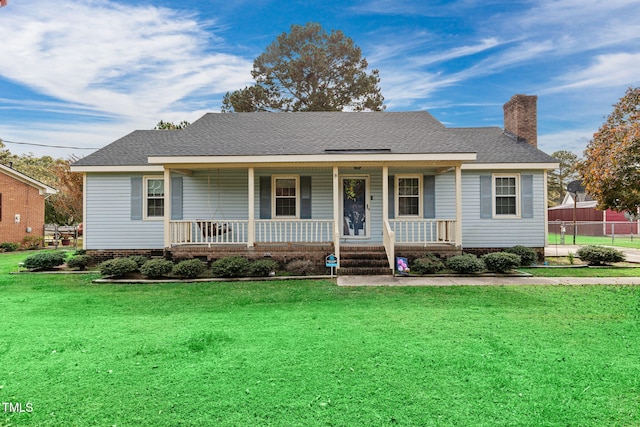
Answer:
(233, 266)
(496, 262)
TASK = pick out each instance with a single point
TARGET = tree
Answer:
(65, 207)
(162, 125)
(611, 168)
(309, 70)
(558, 179)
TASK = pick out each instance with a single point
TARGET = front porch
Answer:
(402, 204)
(210, 238)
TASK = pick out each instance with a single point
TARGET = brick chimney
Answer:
(521, 118)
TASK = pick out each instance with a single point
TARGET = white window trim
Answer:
(495, 195)
(273, 196)
(145, 211)
(420, 196)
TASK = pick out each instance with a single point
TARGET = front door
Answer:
(355, 207)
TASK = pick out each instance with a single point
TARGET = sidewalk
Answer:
(481, 281)
(632, 255)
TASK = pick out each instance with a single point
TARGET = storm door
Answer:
(355, 207)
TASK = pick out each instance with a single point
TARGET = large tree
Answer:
(611, 167)
(309, 69)
(558, 179)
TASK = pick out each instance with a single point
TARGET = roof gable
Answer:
(19, 176)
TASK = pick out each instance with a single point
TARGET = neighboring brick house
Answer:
(21, 205)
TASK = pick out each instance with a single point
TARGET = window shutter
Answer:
(265, 197)
(176, 197)
(526, 182)
(392, 197)
(429, 203)
(136, 198)
(305, 197)
(486, 197)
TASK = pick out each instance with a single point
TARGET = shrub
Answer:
(262, 267)
(527, 255)
(32, 242)
(501, 262)
(45, 260)
(9, 247)
(79, 261)
(427, 265)
(300, 267)
(156, 268)
(188, 269)
(118, 267)
(599, 255)
(466, 263)
(231, 266)
(139, 260)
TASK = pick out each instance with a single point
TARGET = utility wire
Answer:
(48, 146)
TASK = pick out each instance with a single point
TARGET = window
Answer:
(285, 196)
(409, 191)
(154, 197)
(506, 195)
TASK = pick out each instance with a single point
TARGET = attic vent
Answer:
(357, 150)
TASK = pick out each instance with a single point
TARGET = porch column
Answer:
(167, 208)
(251, 228)
(337, 218)
(459, 206)
(385, 194)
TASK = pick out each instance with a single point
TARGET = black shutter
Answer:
(305, 197)
(429, 203)
(265, 197)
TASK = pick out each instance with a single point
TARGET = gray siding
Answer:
(216, 195)
(108, 222)
(498, 233)
(222, 195)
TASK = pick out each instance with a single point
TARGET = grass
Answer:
(612, 271)
(623, 241)
(290, 353)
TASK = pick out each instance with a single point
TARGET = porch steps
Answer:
(363, 261)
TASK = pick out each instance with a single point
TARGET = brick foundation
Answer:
(100, 255)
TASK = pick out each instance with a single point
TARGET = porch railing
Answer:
(423, 231)
(389, 242)
(209, 232)
(213, 232)
(294, 230)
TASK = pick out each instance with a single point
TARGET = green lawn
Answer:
(299, 353)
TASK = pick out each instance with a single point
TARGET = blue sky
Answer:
(83, 73)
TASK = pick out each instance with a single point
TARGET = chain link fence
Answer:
(593, 233)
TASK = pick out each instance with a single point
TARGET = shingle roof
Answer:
(314, 133)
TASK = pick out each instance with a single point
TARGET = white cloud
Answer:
(574, 140)
(611, 70)
(114, 59)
